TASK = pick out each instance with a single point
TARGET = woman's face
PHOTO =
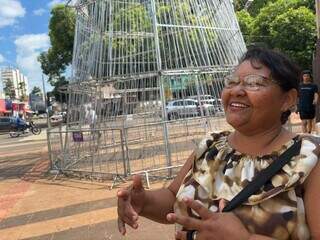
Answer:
(253, 111)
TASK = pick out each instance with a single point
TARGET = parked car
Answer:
(56, 118)
(208, 99)
(7, 123)
(187, 108)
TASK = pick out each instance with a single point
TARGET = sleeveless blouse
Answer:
(220, 172)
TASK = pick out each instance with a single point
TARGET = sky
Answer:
(24, 35)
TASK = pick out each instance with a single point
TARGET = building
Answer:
(18, 80)
(36, 103)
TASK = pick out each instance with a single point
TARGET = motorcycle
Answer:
(16, 132)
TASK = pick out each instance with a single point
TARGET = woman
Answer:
(257, 99)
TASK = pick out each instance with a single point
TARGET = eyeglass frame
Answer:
(242, 79)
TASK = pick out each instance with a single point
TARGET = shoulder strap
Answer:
(263, 176)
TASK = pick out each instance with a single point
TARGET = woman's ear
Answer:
(290, 99)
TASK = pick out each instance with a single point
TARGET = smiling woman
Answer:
(258, 98)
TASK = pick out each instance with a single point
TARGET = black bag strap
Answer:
(263, 176)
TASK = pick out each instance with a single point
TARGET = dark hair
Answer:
(283, 71)
(306, 72)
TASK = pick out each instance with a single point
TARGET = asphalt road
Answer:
(14, 146)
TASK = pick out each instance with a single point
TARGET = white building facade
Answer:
(19, 81)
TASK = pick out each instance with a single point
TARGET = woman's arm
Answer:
(153, 204)
(311, 200)
(160, 202)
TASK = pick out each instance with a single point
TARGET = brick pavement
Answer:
(34, 206)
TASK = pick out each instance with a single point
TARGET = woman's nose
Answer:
(238, 90)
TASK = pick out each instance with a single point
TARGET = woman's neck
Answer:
(260, 143)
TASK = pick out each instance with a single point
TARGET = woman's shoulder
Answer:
(307, 159)
(210, 139)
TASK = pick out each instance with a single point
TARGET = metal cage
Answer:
(147, 77)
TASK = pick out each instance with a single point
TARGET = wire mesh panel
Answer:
(147, 78)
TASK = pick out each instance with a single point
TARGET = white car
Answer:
(56, 118)
(208, 99)
(187, 108)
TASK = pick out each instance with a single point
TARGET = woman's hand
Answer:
(130, 204)
(211, 225)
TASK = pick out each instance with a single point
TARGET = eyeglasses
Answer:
(252, 82)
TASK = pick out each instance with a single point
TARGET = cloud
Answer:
(28, 48)
(39, 12)
(1, 58)
(10, 10)
(55, 2)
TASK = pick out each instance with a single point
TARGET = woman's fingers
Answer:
(121, 226)
(137, 184)
(203, 212)
(128, 220)
(128, 200)
(181, 235)
(188, 222)
(222, 204)
(123, 194)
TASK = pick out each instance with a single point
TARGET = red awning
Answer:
(2, 105)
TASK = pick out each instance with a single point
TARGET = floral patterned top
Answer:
(221, 172)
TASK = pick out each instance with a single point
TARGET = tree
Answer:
(36, 91)
(254, 7)
(61, 32)
(9, 89)
(294, 32)
(245, 22)
(22, 91)
(287, 25)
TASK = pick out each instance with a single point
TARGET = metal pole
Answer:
(161, 82)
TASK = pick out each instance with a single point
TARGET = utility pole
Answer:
(44, 97)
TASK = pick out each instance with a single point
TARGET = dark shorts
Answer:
(307, 115)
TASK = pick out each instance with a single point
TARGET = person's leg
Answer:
(309, 125)
(304, 125)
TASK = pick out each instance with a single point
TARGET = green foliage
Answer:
(36, 91)
(287, 25)
(294, 32)
(8, 89)
(61, 31)
(245, 21)
(256, 5)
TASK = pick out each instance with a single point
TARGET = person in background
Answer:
(258, 98)
(308, 98)
(21, 124)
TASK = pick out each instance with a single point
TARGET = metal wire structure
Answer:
(147, 77)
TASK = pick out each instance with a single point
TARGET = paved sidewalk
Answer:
(34, 206)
